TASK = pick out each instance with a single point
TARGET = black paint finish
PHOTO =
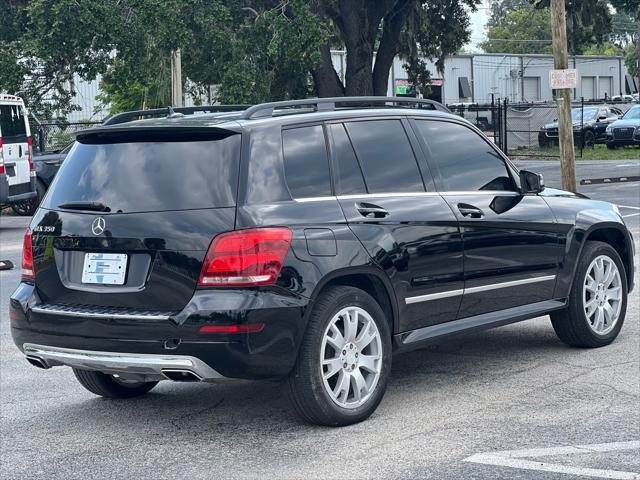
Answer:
(395, 245)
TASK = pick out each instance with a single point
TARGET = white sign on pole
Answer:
(563, 78)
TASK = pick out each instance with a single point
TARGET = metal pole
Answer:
(176, 78)
(582, 125)
(565, 126)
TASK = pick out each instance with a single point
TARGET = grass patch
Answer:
(598, 152)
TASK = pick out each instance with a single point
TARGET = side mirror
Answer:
(531, 182)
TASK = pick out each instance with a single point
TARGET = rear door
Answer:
(129, 217)
(512, 245)
(15, 144)
(389, 201)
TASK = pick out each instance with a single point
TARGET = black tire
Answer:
(307, 391)
(107, 386)
(589, 139)
(571, 324)
(27, 208)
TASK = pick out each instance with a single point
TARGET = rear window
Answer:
(150, 176)
(306, 165)
(13, 128)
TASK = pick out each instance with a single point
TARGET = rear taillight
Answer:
(27, 257)
(30, 154)
(231, 329)
(245, 258)
(1, 157)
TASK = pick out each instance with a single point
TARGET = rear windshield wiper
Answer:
(92, 206)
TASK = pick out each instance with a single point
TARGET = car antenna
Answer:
(173, 113)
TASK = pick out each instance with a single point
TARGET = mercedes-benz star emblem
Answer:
(97, 227)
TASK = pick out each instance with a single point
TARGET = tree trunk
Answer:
(393, 23)
(327, 81)
(358, 22)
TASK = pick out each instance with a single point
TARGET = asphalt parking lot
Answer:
(509, 403)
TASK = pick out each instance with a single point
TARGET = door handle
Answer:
(370, 210)
(470, 211)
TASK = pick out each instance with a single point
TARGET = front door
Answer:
(512, 245)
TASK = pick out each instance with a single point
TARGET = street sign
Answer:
(567, 78)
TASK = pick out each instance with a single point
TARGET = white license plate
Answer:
(104, 268)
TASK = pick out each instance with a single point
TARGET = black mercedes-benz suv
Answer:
(308, 240)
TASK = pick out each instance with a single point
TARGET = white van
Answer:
(17, 174)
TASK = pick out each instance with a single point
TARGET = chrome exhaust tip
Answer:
(181, 375)
(38, 362)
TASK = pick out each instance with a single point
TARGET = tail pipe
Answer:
(181, 375)
(38, 362)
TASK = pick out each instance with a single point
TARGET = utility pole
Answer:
(176, 78)
(563, 96)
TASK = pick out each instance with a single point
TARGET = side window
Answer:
(466, 162)
(306, 165)
(386, 156)
(348, 176)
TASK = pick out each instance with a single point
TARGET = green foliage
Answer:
(631, 59)
(526, 23)
(519, 26)
(450, 18)
(251, 50)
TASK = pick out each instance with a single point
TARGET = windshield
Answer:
(633, 114)
(13, 127)
(146, 176)
(577, 116)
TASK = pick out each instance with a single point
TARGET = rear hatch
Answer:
(128, 219)
(15, 146)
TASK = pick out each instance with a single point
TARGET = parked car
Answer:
(17, 177)
(46, 166)
(309, 240)
(625, 131)
(624, 98)
(588, 126)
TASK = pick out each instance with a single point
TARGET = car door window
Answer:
(385, 156)
(306, 165)
(349, 178)
(465, 160)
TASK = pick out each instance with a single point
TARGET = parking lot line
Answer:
(628, 206)
(520, 459)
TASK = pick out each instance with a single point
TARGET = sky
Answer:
(478, 21)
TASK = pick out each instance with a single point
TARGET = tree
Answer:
(499, 9)
(408, 27)
(525, 27)
(525, 30)
(254, 50)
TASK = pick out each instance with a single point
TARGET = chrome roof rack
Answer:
(265, 110)
(171, 112)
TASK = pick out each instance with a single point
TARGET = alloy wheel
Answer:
(602, 295)
(351, 357)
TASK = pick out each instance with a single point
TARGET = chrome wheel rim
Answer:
(602, 295)
(351, 357)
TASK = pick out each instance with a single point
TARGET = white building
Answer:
(478, 77)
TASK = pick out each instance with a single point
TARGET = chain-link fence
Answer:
(50, 137)
(484, 116)
(531, 129)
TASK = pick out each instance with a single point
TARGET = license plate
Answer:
(104, 268)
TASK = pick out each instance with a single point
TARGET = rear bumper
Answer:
(150, 367)
(6, 195)
(100, 341)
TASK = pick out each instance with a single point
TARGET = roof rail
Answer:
(166, 111)
(327, 104)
